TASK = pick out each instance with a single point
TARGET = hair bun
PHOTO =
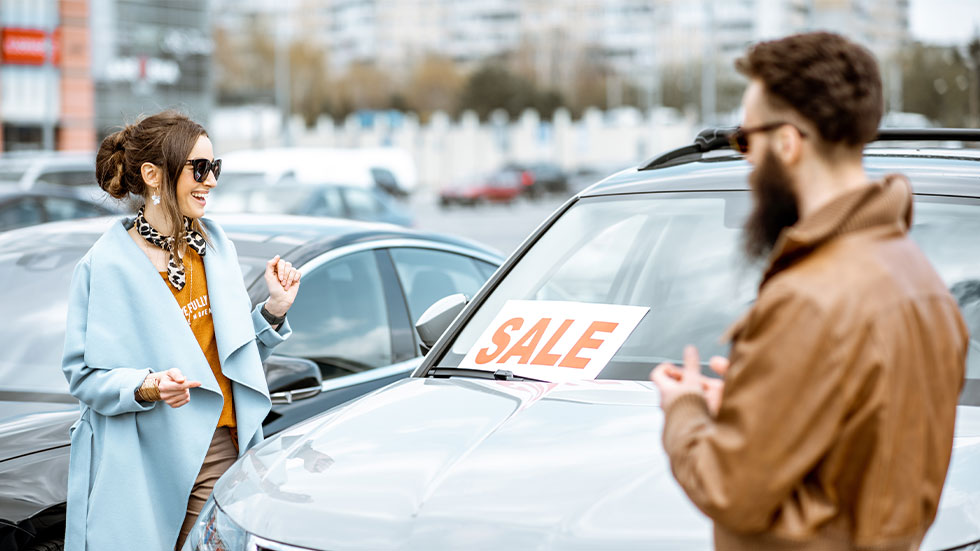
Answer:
(110, 164)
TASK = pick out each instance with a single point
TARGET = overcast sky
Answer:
(944, 21)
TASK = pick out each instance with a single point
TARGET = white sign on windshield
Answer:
(553, 340)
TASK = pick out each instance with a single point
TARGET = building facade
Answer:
(46, 87)
(149, 56)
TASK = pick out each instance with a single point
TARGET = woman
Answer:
(160, 347)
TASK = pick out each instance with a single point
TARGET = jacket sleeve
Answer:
(266, 336)
(781, 407)
(107, 390)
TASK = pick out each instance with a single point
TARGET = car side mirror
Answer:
(437, 318)
(292, 379)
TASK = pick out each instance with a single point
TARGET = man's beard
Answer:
(774, 207)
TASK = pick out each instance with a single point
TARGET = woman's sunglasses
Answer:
(739, 139)
(202, 166)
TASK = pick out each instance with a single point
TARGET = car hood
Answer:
(453, 463)
(34, 421)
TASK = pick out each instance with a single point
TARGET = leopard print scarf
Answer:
(175, 270)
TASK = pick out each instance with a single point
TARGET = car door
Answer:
(350, 319)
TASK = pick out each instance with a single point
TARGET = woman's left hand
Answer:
(283, 282)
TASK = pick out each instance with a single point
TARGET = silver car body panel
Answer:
(501, 465)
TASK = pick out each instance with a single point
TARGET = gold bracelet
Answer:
(149, 391)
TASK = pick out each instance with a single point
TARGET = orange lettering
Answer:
(501, 339)
(587, 342)
(526, 345)
(545, 357)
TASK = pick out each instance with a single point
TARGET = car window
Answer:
(428, 275)
(679, 255)
(362, 204)
(68, 177)
(485, 268)
(63, 208)
(328, 203)
(19, 213)
(340, 318)
(384, 179)
(262, 200)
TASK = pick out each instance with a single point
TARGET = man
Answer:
(834, 424)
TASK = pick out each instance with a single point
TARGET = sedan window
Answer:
(64, 208)
(427, 275)
(19, 213)
(340, 318)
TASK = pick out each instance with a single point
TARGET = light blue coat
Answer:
(133, 465)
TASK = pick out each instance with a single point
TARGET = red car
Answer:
(502, 186)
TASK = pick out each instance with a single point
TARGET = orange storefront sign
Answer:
(23, 46)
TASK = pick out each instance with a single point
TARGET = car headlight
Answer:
(215, 531)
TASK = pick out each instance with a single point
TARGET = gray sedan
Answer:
(363, 284)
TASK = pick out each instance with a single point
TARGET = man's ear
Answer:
(151, 175)
(789, 144)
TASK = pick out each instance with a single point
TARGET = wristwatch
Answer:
(274, 321)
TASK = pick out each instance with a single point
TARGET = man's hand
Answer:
(715, 388)
(674, 382)
(174, 387)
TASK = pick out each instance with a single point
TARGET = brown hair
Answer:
(829, 80)
(164, 140)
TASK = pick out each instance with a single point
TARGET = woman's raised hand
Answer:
(283, 282)
(174, 387)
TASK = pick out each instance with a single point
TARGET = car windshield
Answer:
(680, 256)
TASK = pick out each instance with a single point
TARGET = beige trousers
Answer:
(221, 454)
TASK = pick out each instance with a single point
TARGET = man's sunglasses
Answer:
(202, 166)
(740, 137)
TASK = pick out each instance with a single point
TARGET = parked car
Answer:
(540, 178)
(487, 448)
(339, 201)
(27, 208)
(68, 171)
(502, 186)
(463, 192)
(389, 169)
(363, 286)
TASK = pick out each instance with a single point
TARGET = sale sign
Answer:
(553, 340)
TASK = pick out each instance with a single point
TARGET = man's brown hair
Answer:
(829, 80)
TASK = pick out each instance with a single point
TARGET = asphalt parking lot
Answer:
(502, 226)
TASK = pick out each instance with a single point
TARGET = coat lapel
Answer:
(231, 311)
(157, 334)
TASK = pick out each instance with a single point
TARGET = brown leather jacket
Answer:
(836, 425)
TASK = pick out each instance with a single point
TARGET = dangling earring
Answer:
(156, 199)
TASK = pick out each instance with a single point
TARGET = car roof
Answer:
(931, 169)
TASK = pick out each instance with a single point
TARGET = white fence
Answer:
(446, 150)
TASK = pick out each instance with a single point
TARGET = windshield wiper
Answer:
(499, 375)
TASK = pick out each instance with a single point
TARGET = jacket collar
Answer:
(882, 203)
(230, 306)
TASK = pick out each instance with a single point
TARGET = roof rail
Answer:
(712, 139)
(928, 134)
